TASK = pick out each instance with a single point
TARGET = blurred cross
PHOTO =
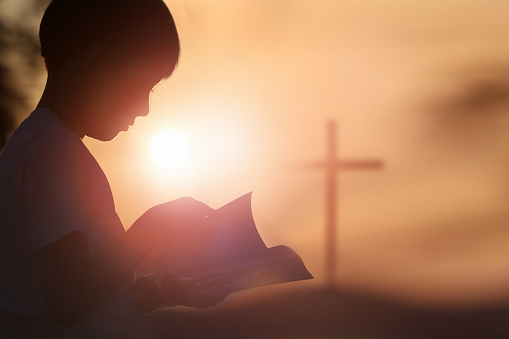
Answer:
(331, 165)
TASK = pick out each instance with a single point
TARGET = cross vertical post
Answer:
(331, 165)
(331, 205)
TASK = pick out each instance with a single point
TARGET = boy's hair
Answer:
(121, 28)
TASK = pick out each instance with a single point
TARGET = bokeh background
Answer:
(421, 85)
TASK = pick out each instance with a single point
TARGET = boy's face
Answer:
(114, 96)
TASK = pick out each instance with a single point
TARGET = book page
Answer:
(274, 266)
(235, 243)
(235, 259)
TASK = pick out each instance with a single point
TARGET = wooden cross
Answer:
(331, 165)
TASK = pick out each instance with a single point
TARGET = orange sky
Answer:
(422, 85)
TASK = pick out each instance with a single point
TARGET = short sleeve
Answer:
(55, 186)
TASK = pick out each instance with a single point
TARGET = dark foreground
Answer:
(320, 313)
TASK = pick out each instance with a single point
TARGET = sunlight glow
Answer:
(169, 149)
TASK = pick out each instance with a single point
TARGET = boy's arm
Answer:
(75, 283)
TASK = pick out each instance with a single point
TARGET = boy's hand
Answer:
(173, 293)
(148, 295)
(179, 221)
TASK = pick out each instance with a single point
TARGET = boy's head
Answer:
(110, 53)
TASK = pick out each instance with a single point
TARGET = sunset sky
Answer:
(421, 85)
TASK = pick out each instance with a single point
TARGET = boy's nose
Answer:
(144, 109)
(141, 110)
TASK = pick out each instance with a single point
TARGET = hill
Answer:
(322, 313)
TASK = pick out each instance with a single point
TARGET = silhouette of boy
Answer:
(67, 265)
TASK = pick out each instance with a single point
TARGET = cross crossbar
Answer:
(345, 165)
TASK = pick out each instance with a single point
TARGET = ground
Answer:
(323, 313)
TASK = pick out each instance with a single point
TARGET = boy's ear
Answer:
(90, 65)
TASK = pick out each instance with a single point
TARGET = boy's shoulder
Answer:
(40, 127)
(43, 121)
(40, 134)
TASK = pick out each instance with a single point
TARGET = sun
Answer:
(169, 149)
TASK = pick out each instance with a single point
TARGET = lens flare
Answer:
(169, 149)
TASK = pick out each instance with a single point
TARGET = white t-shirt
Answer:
(50, 186)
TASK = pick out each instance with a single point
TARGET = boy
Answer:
(67, 263)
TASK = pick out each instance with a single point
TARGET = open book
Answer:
(235, 259)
